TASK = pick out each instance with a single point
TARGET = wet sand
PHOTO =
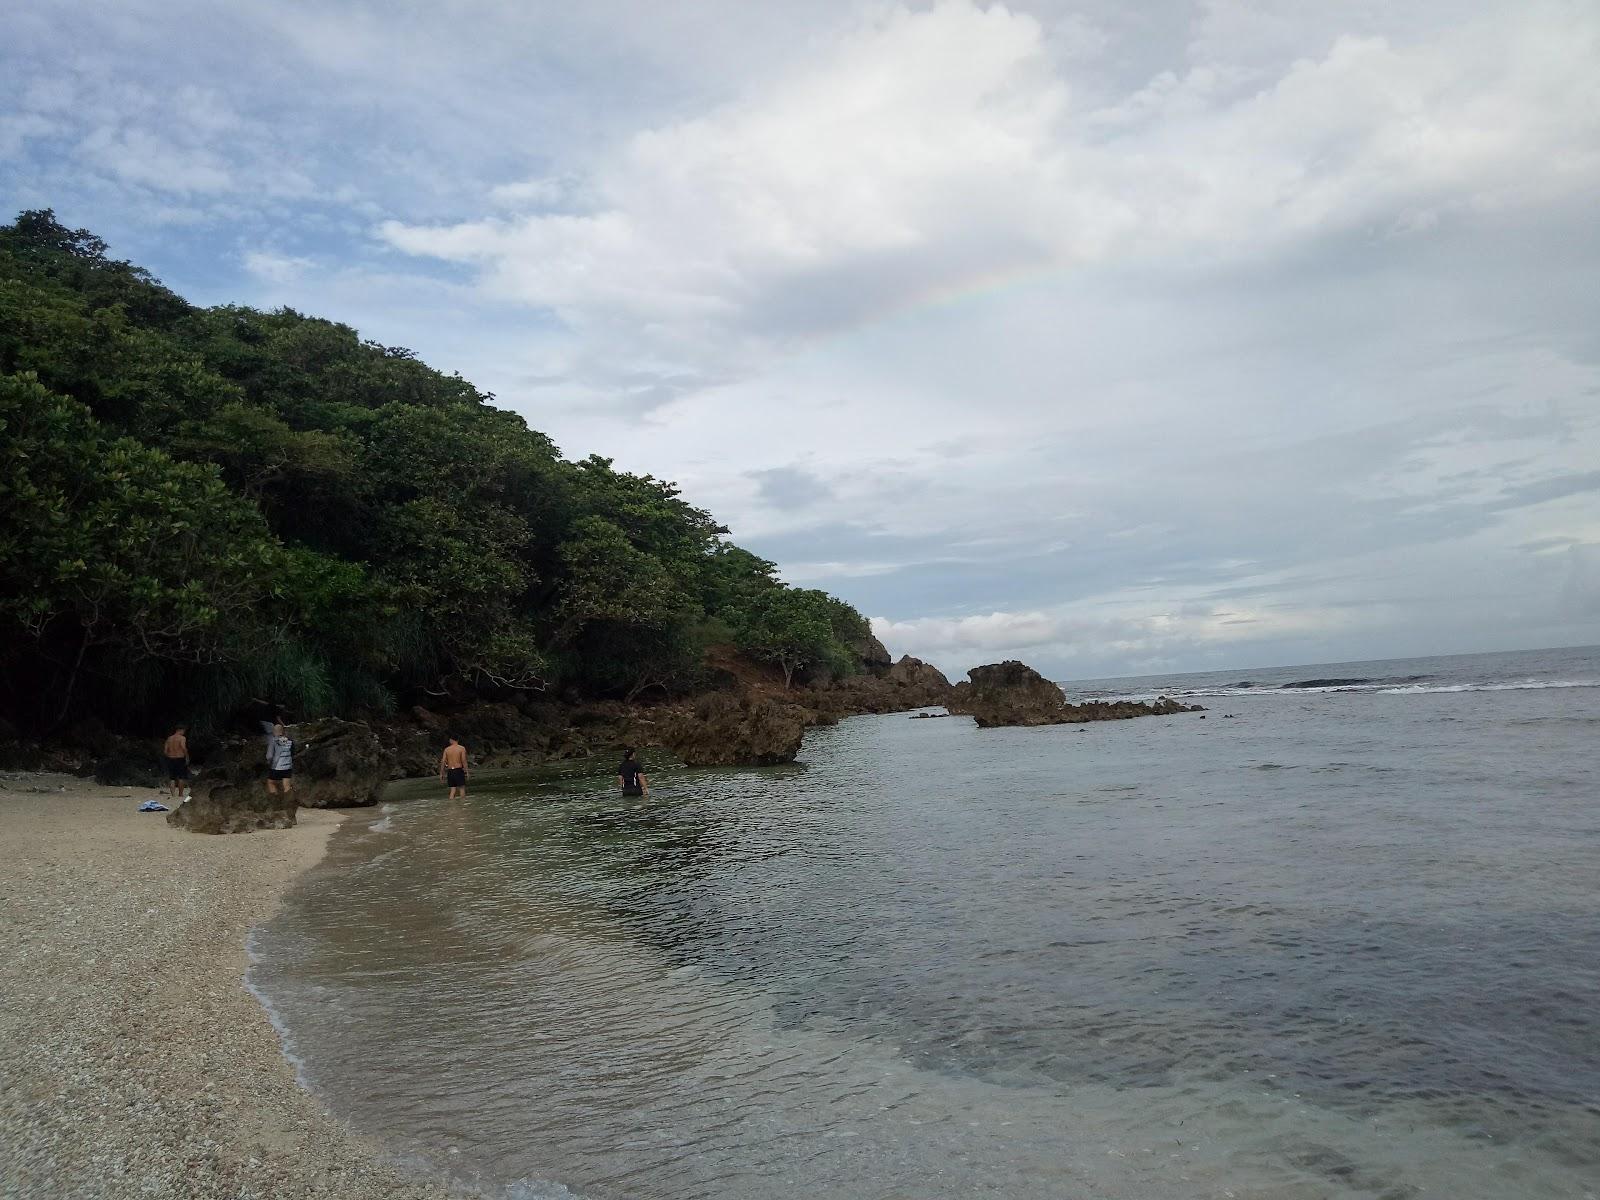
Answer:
(135, 1061)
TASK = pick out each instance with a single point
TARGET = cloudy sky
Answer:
(1119, 337)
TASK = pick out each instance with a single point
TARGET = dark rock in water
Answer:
(1013, 693)
(927, 716)
(122, 770)
(1319, 683)
(230, 808)
(723, 731)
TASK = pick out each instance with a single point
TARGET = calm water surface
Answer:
(1345, 943)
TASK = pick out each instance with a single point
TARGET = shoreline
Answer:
(138, 1060)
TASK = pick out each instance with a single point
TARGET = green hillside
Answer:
(204, 506)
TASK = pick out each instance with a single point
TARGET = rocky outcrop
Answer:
(1121, 710)
(337, 764)
(234, 808)
(725, 731)
(1013, 693)
(915, 676)
(872, 654)
(909, 683)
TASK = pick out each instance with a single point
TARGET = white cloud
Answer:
(930, 149)
(15, 130)
(141, 157)
(276, 268)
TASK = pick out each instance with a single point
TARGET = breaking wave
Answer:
(1387, 687)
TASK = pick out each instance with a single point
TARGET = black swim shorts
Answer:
(456, 776)
(275, 773)
(177, 768)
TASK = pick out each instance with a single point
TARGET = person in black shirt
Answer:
(631, 776)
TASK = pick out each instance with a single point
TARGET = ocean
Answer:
(1338, 936)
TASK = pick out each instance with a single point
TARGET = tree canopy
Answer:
(204, 505)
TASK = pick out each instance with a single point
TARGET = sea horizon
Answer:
(1343, 662)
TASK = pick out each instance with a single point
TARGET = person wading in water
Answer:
(453, 769)
(280, 761)
(631, 776)
(176, 751)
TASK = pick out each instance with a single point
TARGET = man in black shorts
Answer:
(453, 769)
(176, 751)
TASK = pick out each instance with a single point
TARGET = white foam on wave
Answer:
(1379, 688)
(386, 822)
(1520, 685)
(253, 958)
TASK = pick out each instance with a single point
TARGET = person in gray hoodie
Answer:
(280, 761)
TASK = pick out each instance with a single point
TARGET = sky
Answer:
(1118, 338)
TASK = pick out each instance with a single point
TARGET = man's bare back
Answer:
(453, 769)
(176, 746)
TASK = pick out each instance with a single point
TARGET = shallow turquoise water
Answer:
(1342, 944)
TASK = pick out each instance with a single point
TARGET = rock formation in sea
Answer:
(1013, 693)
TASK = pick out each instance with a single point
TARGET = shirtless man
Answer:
(453, 769)
(176, 751)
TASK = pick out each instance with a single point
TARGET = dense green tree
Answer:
(109, 543)
(790, 628)
(198, 506)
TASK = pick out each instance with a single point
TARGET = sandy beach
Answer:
(136, 1063)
